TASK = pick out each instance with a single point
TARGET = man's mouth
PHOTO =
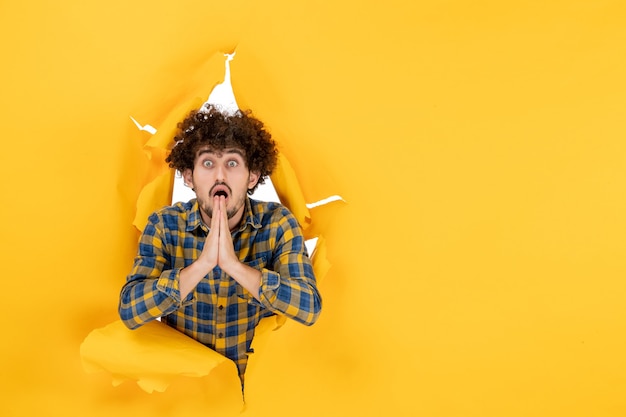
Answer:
(220, 190)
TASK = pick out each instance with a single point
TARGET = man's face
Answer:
(221, 173)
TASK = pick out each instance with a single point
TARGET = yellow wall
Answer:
(478, 266)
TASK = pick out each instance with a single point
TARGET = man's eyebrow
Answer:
(234, 150)
(203, 151)
(227, 151)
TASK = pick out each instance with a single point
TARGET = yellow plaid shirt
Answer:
(220, 313)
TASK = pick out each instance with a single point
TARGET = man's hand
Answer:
(218, 248)
(227, 258)
(219, 251)
(209, 257)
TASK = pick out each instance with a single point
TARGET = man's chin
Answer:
(231, 213)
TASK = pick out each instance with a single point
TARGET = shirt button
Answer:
(221, 307)
(220, 335)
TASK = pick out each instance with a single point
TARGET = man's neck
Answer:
(232, 223)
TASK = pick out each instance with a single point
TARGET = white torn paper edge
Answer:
(222, 97)
(147, 128)
(310, 245)
(325, 201)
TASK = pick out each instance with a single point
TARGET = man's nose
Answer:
(221, 172)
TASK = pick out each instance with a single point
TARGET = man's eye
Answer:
(232, 164)
(208, 164)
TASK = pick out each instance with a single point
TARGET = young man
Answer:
(216, 265)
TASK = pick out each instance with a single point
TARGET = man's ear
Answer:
(253, 179)
(188, 178)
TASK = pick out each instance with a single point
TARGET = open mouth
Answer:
(220, 190)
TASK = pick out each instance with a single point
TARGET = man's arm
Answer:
(151, 290)
(288, 286)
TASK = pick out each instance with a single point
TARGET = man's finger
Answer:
(223, 217)
(215, 218)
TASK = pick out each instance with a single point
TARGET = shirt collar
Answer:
(249, 216)
(194, 219)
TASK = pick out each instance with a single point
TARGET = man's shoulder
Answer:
(176, 209)
(268, 209)
(176, 214)
(272, 214)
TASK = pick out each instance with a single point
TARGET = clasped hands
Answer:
(218, 248)
(219, 251)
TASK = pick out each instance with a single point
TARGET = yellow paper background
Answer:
(477, 269)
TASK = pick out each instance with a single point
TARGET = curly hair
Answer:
(220, 131)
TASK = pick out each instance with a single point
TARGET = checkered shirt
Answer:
(220, 313)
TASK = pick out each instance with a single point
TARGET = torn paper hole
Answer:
(316, 248)
(223, 97)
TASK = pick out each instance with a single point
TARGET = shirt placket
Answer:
(221, 322)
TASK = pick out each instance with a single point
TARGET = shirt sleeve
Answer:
(289, 286)
(151, 289)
